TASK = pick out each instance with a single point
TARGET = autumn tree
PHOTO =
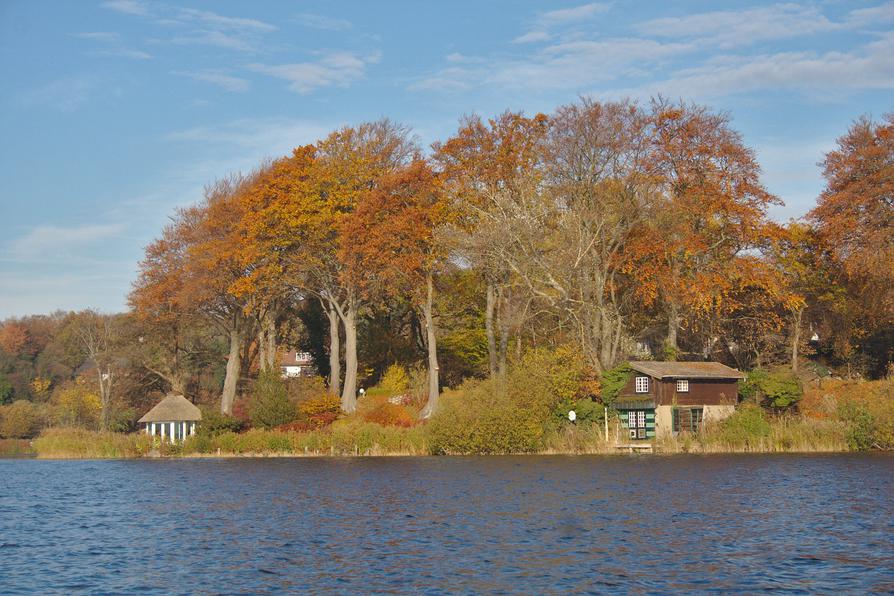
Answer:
(389, 249)
(484, 165)
(854, 216)
(712, 208)
(352, 160)
(97, 337)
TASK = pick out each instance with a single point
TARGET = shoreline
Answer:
(330, 455)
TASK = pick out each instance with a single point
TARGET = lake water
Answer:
(437, 525)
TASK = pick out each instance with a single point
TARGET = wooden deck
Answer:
(635, 447)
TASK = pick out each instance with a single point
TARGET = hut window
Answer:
(642, 384)
(682, 385)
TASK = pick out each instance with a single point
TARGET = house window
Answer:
(642, 384)
(682, 385)
(688, 419)
(636, 423)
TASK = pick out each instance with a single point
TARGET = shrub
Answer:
(613, 380)
(747, 427)
(774, 389)
(395, 381)
(6, 390)
(214, 423)
(76, 404)
(80, 443)
(860, 425)
(270, 405)
(478, 418)
(545, 378)
(323, 403)
(21, 420)
(388, 414)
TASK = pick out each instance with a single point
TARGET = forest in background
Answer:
(600, 232)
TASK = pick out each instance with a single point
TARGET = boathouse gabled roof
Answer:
(686, 370)
(173, 408)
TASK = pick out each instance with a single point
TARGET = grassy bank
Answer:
(16, 448)
(478, 418)
(354, 438)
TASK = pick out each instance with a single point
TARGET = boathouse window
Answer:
(636, 423)
(688, 419)
(682, 385)
(642, 384)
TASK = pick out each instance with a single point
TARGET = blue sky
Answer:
(116, 112)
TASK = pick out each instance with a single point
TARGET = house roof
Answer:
(686, 370)
(294, 358)
(173, 408)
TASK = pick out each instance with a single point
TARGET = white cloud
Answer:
(566, 65)
(55, 242)
(217, 39)
(575, 14)
(533, 37)
(830, 74)
(215, 77)
(258, 136)
(218, 21)
(101, 36)
(316, 21)
(124, 53)
(874, 15)
(134, 7)
(66, 94)
(337, 69)
(730, 28)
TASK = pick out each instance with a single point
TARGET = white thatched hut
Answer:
(174, 419)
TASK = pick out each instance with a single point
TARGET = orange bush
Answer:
(322, 404)
(388, 414)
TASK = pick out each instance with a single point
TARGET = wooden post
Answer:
(605, 418)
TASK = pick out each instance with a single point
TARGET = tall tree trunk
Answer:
(349, 391)
(105, 396)
(334, 351)
(673, 328)
(178, 383)
(431, 341)
(234, 367)
(490, 307)
(796, 338)
(262, 346)
(270, 326)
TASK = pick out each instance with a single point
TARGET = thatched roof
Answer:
(173, 408)
(686, 370)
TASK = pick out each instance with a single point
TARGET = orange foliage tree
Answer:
(389, 248)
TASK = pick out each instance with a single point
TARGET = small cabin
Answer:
(674, 397)
(173, 419)
(294, 364)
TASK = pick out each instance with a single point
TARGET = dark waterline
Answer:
(437, 525)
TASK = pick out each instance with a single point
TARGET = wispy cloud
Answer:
(56, 242)
(268, 135)
(565, 65)
(217, 39)
(199, 27)
(317, 21)
(66, 94)
(533, 37)
(337, 69)
(134, 7)
(575, 14)
(216, 77)
(124, 53)
(217, 21)
(730, 28)
(833, 73)
(101, 36)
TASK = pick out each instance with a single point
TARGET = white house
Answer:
(173, 419)
(296, 364)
